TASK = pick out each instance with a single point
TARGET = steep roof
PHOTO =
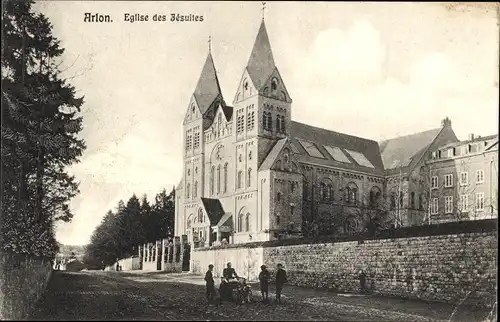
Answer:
(272, 155)
(207, 89)
(399, 152)
(344, 142)
(261, 62)
(228, 112)
(214, 210)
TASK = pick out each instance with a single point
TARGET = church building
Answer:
(251, 173)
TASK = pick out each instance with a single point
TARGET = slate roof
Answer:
(272, 155)
(207, 89)
(399, 152)
(321, 137)
(261, 62)
(214, 210)
(228, 112)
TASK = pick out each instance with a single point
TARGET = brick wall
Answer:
(23, 281)
(442, 267)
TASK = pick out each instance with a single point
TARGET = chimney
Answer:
(471, 136)
(446, 122)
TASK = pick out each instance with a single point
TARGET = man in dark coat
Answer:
(264, 277)
(229, 272)
(209, 278)
(281, 279)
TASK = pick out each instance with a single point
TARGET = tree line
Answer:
(40, 125)
(133, 223)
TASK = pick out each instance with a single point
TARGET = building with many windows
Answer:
(464, 179)
(251, 173)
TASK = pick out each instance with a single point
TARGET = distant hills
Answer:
(66, 250)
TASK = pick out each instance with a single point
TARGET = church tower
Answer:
(206, 98)
(262, 105)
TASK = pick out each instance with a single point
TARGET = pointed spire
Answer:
(261, 63)
(207, 89)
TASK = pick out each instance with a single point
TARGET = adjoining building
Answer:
(250, 173)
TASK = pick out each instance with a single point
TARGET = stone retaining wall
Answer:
(23, 281)
(436, 268)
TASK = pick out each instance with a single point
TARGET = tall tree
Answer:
(40, 124)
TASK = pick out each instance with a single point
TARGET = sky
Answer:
(374, 70)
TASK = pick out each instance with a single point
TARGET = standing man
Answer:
(209, 278)
(264, 277)
(281, 279)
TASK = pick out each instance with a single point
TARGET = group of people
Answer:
(264, 277)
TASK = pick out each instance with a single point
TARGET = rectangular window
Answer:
(480, 201)
(434, 206)
(464, 203)
(464, 178)
(336, 154)
(250, 120)
(311, 149)
(451, 152)
(448, 180)
(196, 140)
(448, 204)
(360, 158)
(434, 182)
(480, 176)
(240, 122)
(189, 141)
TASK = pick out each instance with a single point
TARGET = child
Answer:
(209, 278)
(281, 279)
(264, 277)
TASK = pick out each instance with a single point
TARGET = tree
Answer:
(40, 124)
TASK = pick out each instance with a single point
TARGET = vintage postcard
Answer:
(248, 160)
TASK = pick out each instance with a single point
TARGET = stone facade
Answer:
(251, 173)
(466, 180)
(436, 268)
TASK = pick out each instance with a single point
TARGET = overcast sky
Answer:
(375, 70)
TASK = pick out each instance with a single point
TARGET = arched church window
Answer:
(283, 96)
(225, 177)
(212, 175)
(278, 196)
(322, 191)
(266, 91)
(240, 223)
(239, 179)
(188, 188)
(264, 120)
(249, 178)
(278, 123)
(218, 179)
(195, 189)
(193, 108)
(274, 84)
(269, 121)
(352, 193)
(200, 216)
(250, 155)
(219, 119)
(247, 222)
